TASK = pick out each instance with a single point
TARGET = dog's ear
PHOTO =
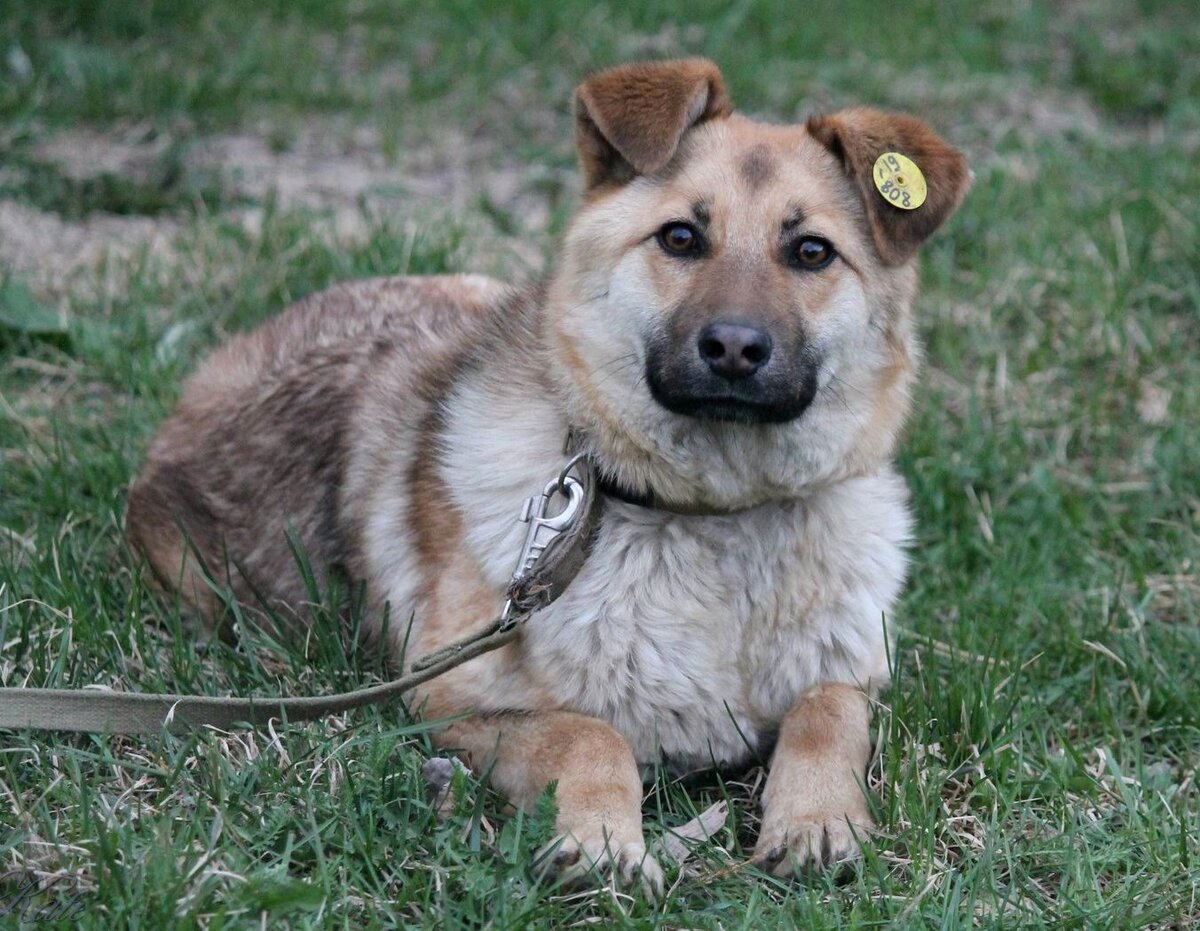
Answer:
(629, 120)
(860, 136)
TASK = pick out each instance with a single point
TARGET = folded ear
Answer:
(629, 120)
(858, 137)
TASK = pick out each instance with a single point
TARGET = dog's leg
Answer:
(813, 804)
(599, 791)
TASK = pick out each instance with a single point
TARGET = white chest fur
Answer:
(694, 635)
(691, 635)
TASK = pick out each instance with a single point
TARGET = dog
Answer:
(727, 332)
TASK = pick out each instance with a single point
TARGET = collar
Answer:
(558, 560)
(576, 445)
(652, 502)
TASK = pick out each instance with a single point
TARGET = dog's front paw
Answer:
(810, 842)
(594, 860)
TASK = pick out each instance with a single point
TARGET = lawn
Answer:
(172, 172)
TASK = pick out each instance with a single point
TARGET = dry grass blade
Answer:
(677, 844)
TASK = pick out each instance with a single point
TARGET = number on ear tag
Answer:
(899, 181)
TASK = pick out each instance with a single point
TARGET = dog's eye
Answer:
(680, 239)
(813, 252)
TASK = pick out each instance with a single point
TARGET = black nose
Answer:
(734, 350)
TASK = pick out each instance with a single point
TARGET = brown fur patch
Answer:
(598, 791)
(829, 720)
(757, 167)
(814, 810)
(153, 530)
(455, 598)
(256, 450)
(629, 120)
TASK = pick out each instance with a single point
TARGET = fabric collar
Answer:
(607, 487)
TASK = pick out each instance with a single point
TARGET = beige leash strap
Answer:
(100, 711)
(556, 546)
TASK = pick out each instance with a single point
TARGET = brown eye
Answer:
(813, 252)
(679, 239)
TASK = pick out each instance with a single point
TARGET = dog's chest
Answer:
(693, 636)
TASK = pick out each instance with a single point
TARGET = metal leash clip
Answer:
(544, 530)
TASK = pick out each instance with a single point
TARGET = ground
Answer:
(170, 173)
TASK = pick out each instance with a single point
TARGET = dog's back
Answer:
(260, 435)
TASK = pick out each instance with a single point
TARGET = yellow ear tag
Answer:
(899, 181)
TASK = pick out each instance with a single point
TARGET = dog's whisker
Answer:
(590, 300)
(841, 399)
(622, 359)
(628, 362)
(852, 387)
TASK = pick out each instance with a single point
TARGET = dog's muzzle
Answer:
(733, 371)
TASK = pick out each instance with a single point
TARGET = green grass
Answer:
(1038, 752)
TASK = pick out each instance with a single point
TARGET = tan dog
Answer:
(728, 329)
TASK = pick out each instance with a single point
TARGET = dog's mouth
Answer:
(732, 409)
(746, 403)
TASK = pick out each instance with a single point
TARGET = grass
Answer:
(1038, 753)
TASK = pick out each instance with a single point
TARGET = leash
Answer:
(100, 711)
(554, 551)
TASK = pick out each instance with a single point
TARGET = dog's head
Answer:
(730, 313)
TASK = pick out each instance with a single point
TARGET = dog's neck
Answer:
(577, 444)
